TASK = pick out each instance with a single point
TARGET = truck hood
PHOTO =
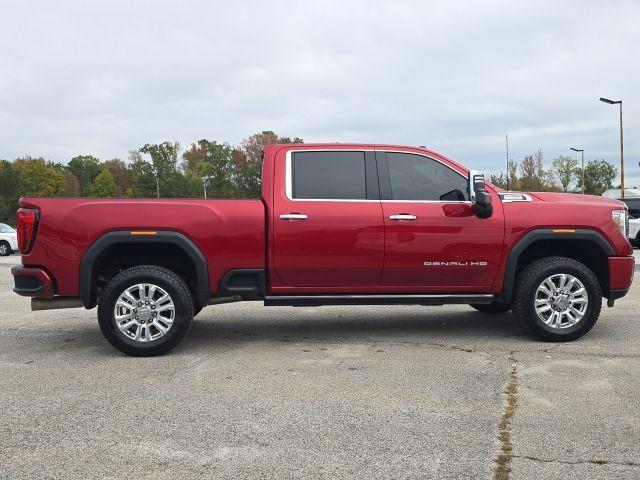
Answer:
(577, 199)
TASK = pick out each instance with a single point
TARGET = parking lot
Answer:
(331, 392)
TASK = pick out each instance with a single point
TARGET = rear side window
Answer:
(414, 177)
(328, 175)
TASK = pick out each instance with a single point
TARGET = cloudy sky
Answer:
(106, 77)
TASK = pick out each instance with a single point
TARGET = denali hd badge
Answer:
(455, 264)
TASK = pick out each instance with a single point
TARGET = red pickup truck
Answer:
(337, 224)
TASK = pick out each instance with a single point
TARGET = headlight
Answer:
(621, 219)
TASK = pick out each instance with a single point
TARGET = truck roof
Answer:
(381, 146)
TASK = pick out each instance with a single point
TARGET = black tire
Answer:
(526, 285)
(494, 307)
(163, 278)
(5, 249)
(638, 239)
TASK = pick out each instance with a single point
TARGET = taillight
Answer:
(26, 226)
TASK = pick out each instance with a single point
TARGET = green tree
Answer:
(599, 176)
(71, 184)
(143, 179)
(512, 172)
(104, 185)
(248, 159)
(499, 180)
(163, 159)
(121, 174)
(9, 182)
(533, 174)
(213, 163)
(40, 179)
(565, 170)
(86, 168)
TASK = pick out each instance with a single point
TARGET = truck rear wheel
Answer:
(557, 299)
(494, 307)
(145, 311)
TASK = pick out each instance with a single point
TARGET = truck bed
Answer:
(229, 233)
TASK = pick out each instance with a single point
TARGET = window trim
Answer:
(289, 177)
(386, 164)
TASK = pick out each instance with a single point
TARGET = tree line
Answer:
(220, 170)
(564, 175)
(153, 170)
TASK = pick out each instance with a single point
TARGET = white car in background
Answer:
(8, 240)
(634, 230)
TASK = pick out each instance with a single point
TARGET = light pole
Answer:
(581, 150)
(204, 185)
(618, 102)
(506, 137)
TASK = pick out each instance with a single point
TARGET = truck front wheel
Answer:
(145, 311)
(557, 299)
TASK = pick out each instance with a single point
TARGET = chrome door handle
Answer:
(402, 216)
(293, 216)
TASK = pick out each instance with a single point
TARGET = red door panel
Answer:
(334, 244)
(338, 244)
(445, 248)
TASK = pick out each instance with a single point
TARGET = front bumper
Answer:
(32, 282)
(621, 271)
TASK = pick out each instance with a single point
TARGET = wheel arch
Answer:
(587, 246)
(107, 243)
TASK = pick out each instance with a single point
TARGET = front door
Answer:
(434, 241)
(328, 230)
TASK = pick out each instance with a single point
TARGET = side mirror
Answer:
(479, 196)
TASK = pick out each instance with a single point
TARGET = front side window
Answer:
(6, 228)
(415, 177)
(328, 175)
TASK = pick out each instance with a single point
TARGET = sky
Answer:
(104, 78)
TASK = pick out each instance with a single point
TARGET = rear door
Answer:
(328, 230)
(434, 241)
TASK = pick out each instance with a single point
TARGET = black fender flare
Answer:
(119, 237)
(546, 234)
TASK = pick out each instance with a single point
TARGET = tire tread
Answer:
(177, 282)
(524, 283)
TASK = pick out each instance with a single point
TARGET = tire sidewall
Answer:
(7, 247)
(181, 322)
(593, 295)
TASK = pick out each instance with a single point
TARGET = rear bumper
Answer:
(621, 271)
(32, 282)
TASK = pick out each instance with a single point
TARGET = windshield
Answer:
(6, 228)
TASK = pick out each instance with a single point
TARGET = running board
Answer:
(433, 299)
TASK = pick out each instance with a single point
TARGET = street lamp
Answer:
(581, 150)
(618, 102)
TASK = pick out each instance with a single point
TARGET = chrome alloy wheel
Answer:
(144, 312)
(561, 301)
(4, 250)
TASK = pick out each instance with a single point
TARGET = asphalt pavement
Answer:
(321, 392)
